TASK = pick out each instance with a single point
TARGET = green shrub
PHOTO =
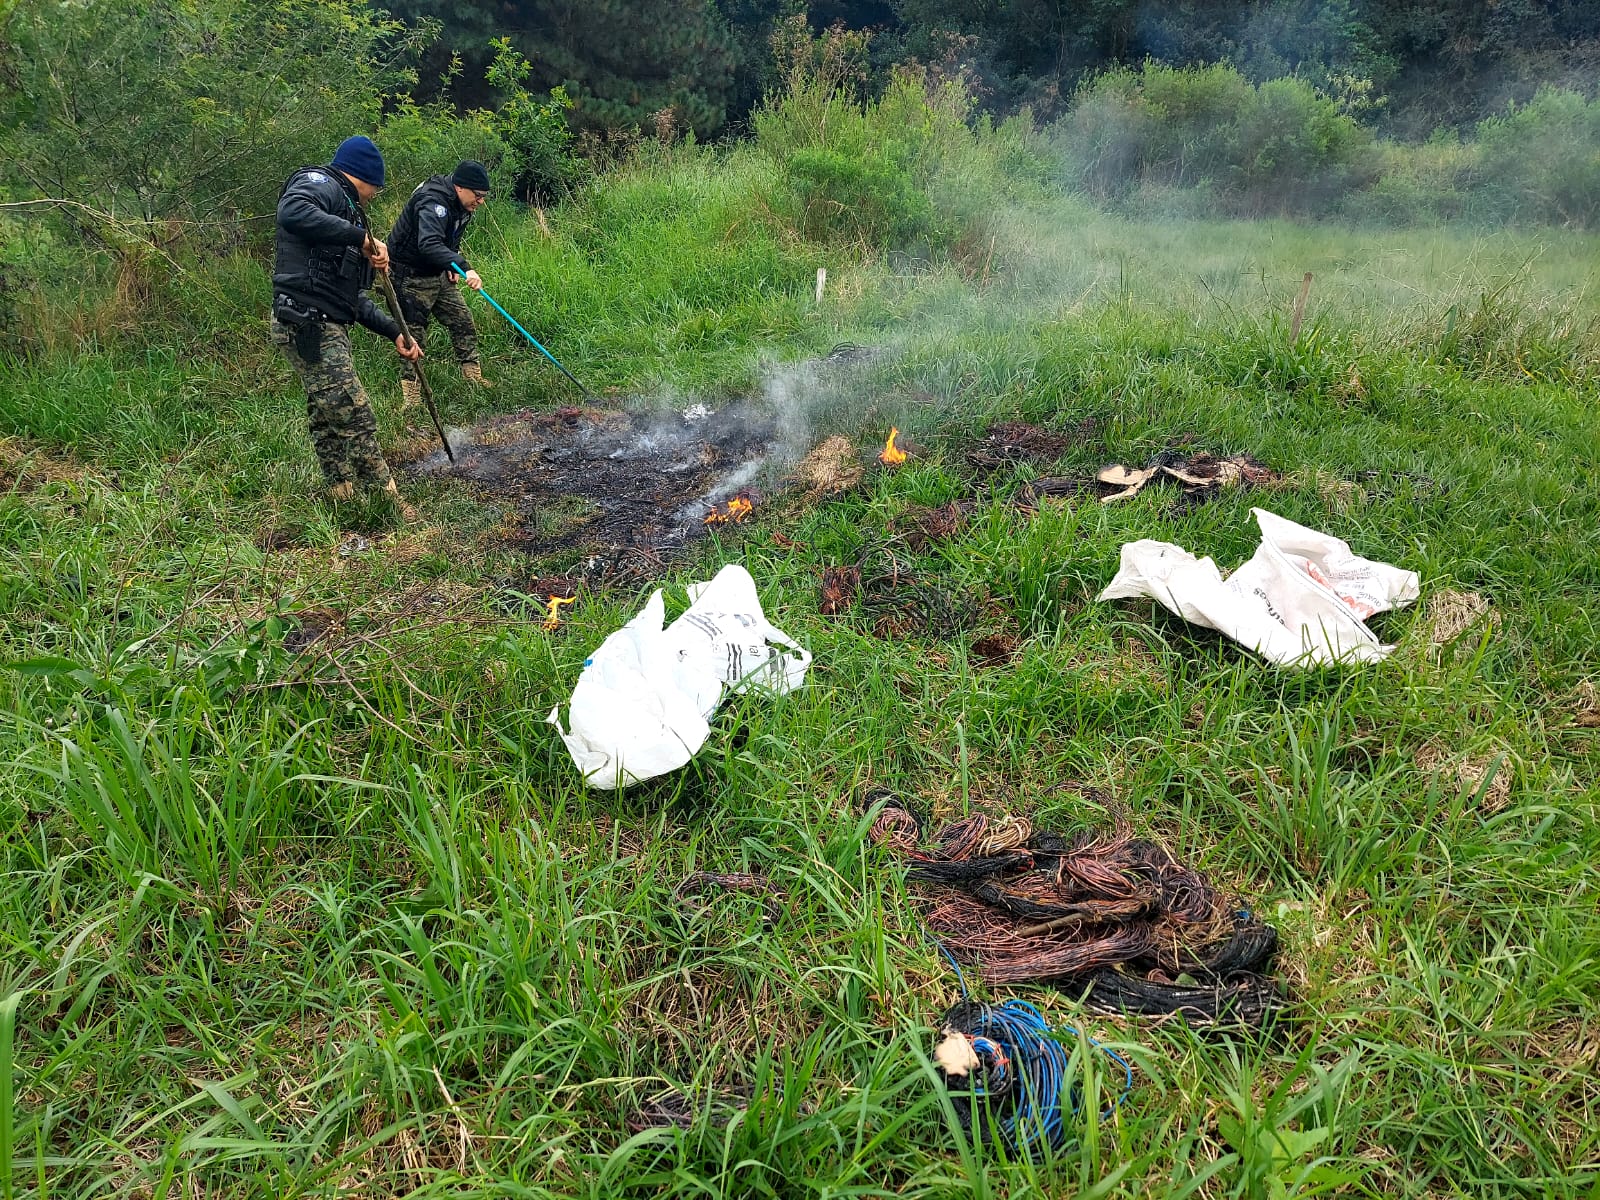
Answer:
(1193, 115)
(525, 141)
(1105, 139)
(913, 169)
(537, 142)
(1415, 185)
(1277, 147)
(423, 140)
(1291, 149)
(1541, 161)
(160, 110)
(865, 197)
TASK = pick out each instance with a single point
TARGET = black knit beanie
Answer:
(471, 175)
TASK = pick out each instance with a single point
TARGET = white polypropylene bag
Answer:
(1301, 601)
(644, 697)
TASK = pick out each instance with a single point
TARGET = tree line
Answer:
(1410, 66)
(139, 123)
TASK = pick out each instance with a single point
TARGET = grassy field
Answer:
(339, 918)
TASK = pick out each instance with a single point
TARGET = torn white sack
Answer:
(644, 697)
(1301, 601)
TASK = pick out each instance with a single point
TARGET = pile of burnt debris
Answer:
(584, 477)
(627, 488)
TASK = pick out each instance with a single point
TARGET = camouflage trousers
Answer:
(343, 428)
(427, 296)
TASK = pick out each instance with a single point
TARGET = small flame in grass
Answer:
(552, 619)
(891, 455)
(737, 510)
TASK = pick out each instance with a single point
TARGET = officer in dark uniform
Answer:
(425, 245)
(324, 266)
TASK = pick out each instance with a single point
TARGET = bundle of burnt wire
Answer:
(903, 603)
(1105, 916)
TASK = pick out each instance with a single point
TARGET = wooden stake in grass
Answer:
(822, 282)
(966, 788)
(1299, 310)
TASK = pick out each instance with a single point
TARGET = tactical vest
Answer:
(403, 238)
(329, 278)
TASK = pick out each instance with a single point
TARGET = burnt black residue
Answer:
(594, 478)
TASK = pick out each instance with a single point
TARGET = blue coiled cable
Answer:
(1024, 1069)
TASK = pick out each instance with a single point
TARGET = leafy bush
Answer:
(1171, 140)
(536, 141)
(1541, 161)
(420, 140)
(864, 197)
(525, 141)
(913, 169)
(1277, 146)
(1416, 184)
(155, 110)
(1292, 149)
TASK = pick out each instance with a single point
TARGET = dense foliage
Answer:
(621, 61)
(1420, 65)
(194, 110)
(186, 109)
(1279, 146)
(1434, 62)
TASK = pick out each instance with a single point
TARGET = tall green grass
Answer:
(283, 919)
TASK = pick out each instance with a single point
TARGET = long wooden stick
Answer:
(422, 380)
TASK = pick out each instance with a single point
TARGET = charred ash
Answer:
(612, 481)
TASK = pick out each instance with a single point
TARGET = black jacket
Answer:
(319, 264)
(427, 238)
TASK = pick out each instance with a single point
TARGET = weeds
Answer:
(295, 914)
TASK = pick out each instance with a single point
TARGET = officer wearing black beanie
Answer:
(425, 248)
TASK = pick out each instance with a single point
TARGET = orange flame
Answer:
(738, 509)
(891, 455)
(553, 619)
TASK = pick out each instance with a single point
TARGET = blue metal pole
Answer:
(587, 393)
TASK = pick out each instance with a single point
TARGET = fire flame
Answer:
(553, 618)
(738, 509)
(891, 455)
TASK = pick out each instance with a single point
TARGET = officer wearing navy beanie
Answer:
(324, 265)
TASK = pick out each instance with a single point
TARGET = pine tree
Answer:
(621, 61)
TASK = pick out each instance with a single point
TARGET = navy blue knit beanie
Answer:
(357, 156)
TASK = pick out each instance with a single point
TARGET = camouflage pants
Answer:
(426, 296)
(343, 429)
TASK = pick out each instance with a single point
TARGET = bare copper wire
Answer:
(1022, 906)
(961, 840)
(895, 828)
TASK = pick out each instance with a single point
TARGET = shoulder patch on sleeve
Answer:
(439, 208)
(316, 177)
